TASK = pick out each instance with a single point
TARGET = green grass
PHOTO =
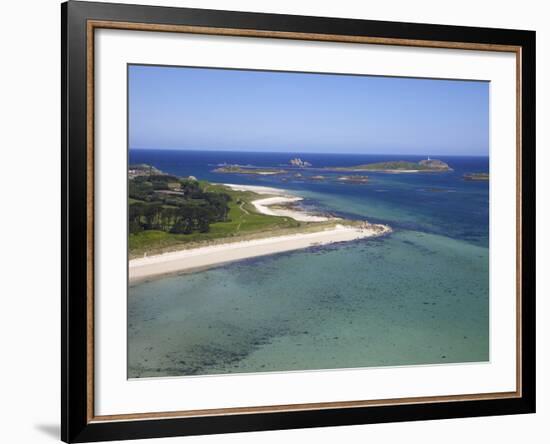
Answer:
(243, 222)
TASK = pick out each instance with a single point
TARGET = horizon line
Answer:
(302, 152)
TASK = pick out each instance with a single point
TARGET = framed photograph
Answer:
(275, 221)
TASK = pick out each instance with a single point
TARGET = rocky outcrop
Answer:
(297, 162)
(434, 164)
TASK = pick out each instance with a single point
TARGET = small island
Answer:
(400, 166)
(395, 167)
(476, 176)
(238, 169)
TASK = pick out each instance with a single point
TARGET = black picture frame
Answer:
(76, 423)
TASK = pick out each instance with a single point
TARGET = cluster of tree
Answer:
(144, 187)
(185, 210)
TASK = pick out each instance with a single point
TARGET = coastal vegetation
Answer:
(180, 206)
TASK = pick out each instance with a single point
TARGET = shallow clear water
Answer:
(417, 296)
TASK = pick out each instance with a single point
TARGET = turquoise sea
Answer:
(417, 296)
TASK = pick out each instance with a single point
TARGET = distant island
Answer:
(238, 169)
(400, 166)
(252, 170)
(297, 162)
(353, 179)
(476, 176)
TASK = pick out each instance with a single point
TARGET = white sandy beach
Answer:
(281, 198)
(208, 256)
(257, 189)
(264, 206)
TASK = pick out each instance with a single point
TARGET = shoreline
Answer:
(232, 250)
(201, 258)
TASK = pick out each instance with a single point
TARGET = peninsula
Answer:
(182, 224)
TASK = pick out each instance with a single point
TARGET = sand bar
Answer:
(212, 255)
(257, 189)
(264, 206)
(281, 197)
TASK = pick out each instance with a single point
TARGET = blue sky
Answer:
(236, 110)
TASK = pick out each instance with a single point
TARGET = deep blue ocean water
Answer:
(417, 296)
